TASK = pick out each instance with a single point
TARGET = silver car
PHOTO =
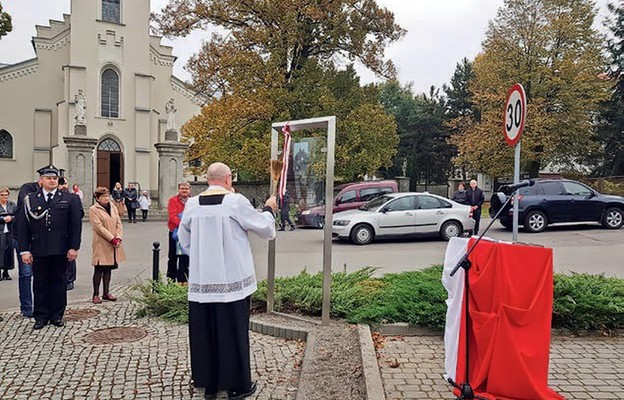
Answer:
(398, 214)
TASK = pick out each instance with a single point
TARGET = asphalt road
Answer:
(587, 248)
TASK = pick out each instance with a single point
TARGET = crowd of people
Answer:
(42, 230)
(208, 250)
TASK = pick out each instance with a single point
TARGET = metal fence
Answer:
(434, 188)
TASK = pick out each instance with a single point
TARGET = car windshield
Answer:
(375, 203)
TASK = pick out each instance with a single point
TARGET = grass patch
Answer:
(581, 301)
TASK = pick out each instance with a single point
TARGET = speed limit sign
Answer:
(514, 114)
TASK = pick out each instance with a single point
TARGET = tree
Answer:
(459, 97)
(461, 110)
(272, 64)
(550, 47)
(421, 126)
(5, 22)
(366, 138)
(611, 125)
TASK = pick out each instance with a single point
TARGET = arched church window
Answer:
(6, 144)
(110, 93)
(109, 145)
(110, 11)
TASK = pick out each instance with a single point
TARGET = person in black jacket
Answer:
(49, 236)
(7, 213)
(475, 198)
(71, 265)
(285, 212)
(460, 195)
(131, 198)
(25, 272)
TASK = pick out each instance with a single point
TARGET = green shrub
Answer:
(303, 293)
(584, 301)
(417, 297)
(581, 302)
(168, 300)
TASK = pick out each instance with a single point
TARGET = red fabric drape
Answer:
(511, 294)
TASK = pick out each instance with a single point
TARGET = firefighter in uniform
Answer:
(49, 235)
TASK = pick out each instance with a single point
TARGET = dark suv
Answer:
(551, 201)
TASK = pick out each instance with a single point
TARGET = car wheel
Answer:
(450, 229)
(613, 218)
(362, 234)
(535, 221)
(319, 221)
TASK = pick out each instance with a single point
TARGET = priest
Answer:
(213, 232)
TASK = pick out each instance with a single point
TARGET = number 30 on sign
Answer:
(514, 114)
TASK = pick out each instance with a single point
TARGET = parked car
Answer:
(402, 214)
(551, 201)
(346, 197)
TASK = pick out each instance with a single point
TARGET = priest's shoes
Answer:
(39, 324)
(236, 395)
(59, 323)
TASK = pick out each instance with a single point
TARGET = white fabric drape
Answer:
(454, 285)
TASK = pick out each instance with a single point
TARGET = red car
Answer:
(346, 197)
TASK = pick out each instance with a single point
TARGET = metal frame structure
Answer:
(328, 123)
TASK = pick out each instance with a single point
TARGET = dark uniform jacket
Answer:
(55, 233)
(25, 189)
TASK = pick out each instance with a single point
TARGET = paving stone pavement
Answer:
(60, 363)
(580, 367)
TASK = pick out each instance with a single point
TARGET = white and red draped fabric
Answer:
(510, 307)
(285, 157)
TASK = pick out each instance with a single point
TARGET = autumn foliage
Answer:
(550, 47)
(277, 60)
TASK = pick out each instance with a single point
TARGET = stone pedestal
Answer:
(171, 135)
(404, 183)
(170, 169)
(80, 130)
(80, 157)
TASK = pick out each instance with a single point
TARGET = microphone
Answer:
(521, 184)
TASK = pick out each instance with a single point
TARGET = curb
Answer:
(278, 330)
(285, 332)
(372, 376)
(309, 354)
(370, 369)
(405, 329)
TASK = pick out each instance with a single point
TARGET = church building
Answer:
(99, 100)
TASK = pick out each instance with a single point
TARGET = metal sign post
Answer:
(514, 118)
(514, 233)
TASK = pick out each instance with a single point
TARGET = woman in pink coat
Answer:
(107, 249)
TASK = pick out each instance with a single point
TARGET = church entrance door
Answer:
(110, 164)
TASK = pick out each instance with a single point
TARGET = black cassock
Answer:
(219, 341)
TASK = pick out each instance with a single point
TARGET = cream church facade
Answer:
(99, 100)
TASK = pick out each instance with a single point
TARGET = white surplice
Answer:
(221, 268)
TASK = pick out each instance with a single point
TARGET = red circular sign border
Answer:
(520, 89)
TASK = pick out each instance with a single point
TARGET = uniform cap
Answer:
(49, 170)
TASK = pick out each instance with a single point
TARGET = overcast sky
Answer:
(439, 34)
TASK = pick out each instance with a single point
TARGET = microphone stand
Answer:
(466, 391)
